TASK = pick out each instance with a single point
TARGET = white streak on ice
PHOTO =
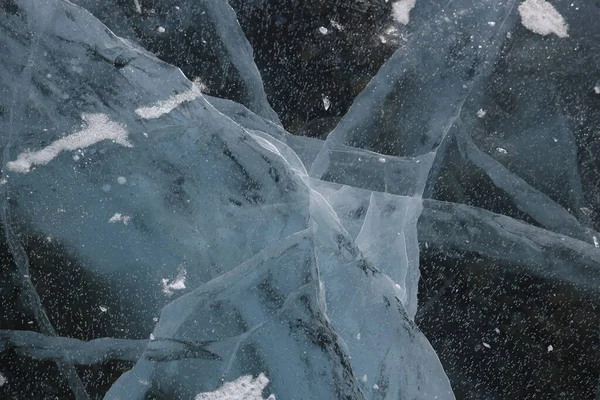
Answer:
(166, 106)
(138, 6)
(243, 388)
(99, 128)
(539, 16)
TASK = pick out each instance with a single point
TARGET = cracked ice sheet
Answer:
(225, 36)
(183, 176)
(377, 119)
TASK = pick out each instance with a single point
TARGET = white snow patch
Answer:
(481, 113)
(323, 30)
(166, 106)
(381, 160)
(99, 128)
(3, 380)
(243, 388)
(550, 348)
(539, 16)
(161, 29)
(177, 284)
(401, 10)
(326, 103)
(118, 217)
(597, 89)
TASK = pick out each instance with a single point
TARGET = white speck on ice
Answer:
(376, 386)
(491, 23)
(497, 330)
(76, 157)
(597, 89)
(106, 187)
(243, 388)
(401, 10)
(481, 113)
(152, 336)
(3, 380)
(99, 128)
(103, 308)
(486, 345)
(596, 244)
(364, 378)
(381, 160)
(501, 150)
(555, 140)
(358, 336)
(145, 134)
(336, 25)
(539, 16)
(3, 181)
(155, 319)
(323, 30)
(160, 29)
(168, 105)
(550, 348)
(121, 180)
(118, 217)
(177, 284)
(326, 103)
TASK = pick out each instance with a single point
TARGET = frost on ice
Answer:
(118, 217)
(99, 128)
(244, 388)
(539, 16)
(177, 284)
(401, 10)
